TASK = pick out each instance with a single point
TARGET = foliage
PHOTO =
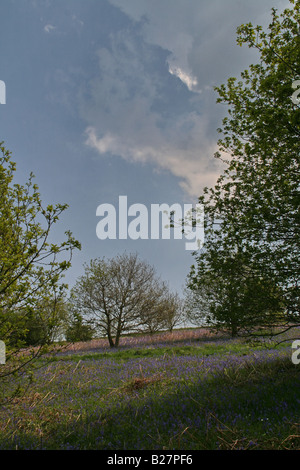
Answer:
(31, 267)
(239, 300)
(77, 330)
(46, 323)
(249, 266)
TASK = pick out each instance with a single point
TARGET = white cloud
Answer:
(48, 28)
(190, 81)
(191, 161)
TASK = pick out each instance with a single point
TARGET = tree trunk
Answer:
(234, 330)
(119, 328)
(117, 339)
(110, 339)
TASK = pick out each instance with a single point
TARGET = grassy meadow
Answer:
(189, 390)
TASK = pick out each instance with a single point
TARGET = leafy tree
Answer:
(78, 330)
(230, 297)
(31, 267)
(120, 295)
(252, 213)
(45, 324)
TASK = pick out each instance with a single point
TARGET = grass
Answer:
(204, 351)
(172, 395)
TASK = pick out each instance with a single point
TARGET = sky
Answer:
(110, 98)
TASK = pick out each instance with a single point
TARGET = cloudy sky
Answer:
(109, 98)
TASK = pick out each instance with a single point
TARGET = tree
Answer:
(173, 310)
(121, 294)
(45, 324)
(31, 267)
(77, 330)
(197, 304)
(230, 297)
(162, 310)
(252, 215)
(152, 314)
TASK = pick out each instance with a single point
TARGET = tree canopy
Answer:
(123, 295)
(252, 213)
(31, 266)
